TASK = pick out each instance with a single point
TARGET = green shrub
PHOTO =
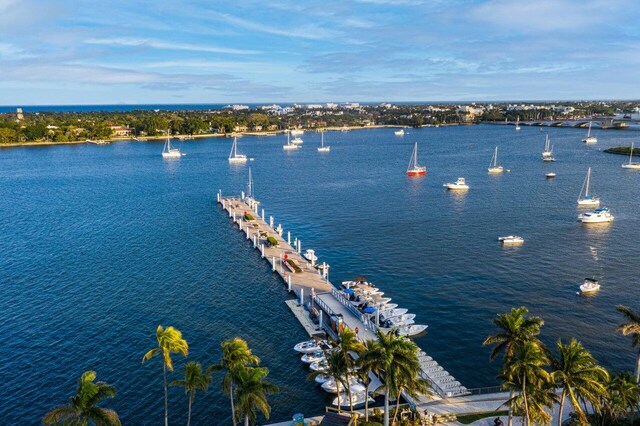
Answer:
(248, 216)
(293, 265)
(272, 241)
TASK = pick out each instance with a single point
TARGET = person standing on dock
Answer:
(357, 331)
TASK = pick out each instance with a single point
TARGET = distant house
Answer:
(272, 127)
(257, 128)
(240, 128)
(120, 130)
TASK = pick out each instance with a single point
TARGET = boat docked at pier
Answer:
(355, 386)
(601, 215)
(411, 330)
(310, 357)
(310, 255)
(589, 140)
(356, 400)
(631, 164)
(307, 346)
(234, 156)
(458, 185)
(494, 168)
(414, 169)
(585, 199)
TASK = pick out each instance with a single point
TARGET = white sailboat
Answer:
(234, 157)
(399, 132)
(414, 169)
(297, 141)
(585, 199)
(323, 148)
(547, 153)
(631, 164)
(518, 123)
(289, 145)
(168, 151)
(590, 139)
(494, 168)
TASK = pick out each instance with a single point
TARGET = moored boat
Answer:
(589, 286)
(601, 215)
(458, 185)
(511, 240)
(494, 168)
(414, 169)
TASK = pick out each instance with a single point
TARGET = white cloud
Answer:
(157, 44)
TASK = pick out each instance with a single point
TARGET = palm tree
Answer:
(169, 341)
(632, 327)
(235, 353)
(394, 357)
(411, 384)
(514, 328)
(363, 372)
(525, 369)
(252, 393)
(82, 408)
(579, 376)
(347, 344)
(624, 396)
(194, 380)
(336, 369)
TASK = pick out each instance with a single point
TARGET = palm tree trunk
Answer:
(366, 402)
(512, 394)
(233, 409)
(638, 368)
(246, 420)
(349, 393)
(338, 390)
(190, 403)
(524, 395)
(386, 405)
(395, 415)
(166, 397)
(564, 394)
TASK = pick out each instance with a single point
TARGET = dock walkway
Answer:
(313, 288)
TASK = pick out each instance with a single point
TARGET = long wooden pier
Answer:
(312, 286)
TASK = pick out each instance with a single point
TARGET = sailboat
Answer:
(547, 153)
(518, 123)
(169, 152)
(234, 157)
(590, 139)
(493, 166)
(289, 145)
(399, 132)
(414, 169)
(631, 164)
(323, 148)
(585, 199)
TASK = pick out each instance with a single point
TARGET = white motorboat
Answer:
(631, 164)
(355, 386)
(169, 152)
(511, 240)
(398, 322)
(323, 148)
(411, 330)
(399, 132)
(356, 399)
(586, 199)
(297, 141)
(234, 157)
(494, 168)
(321, 366)
(547, 152)
(296, 132)
(289, 145)
(590, 139)
(601, 215)
(310, 357)
(517, 123)
(392, 313)
(589, 286)
(550, 175)
(310, 255)
(458, 185)
(307, 346)
(321, 378)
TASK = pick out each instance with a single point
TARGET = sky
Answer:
(61, 52)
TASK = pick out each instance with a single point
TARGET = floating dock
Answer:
(310, 283)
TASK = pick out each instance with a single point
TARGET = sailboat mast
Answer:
(589, 131)
(250, 184)
(631, 154)
(586, 192)
(322, 139)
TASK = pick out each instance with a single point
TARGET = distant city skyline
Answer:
(63, 52)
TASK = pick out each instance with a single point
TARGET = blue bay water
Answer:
(100, 244)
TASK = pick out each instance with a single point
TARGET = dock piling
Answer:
(262, 214)
(262, 250)
(273, 263)
(289, 283)
(242, 195)
(289, 237)
(302, 296)
(255, 241)
(271, 221)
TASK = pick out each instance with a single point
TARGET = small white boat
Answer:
(589, 286)
(289, 145)
(547, 152)
(356, 399)
(391, 313)
(411, 330)
(323, 148)
(310, 255)
(458, 185)
(321, 378)
(307, 346)
(234, 157)
(399, 132)
(550, 175)
(321, 366)
(169, 152)
(601, 215)
(631, 164)
(398, 322)
(355, 386)
(587, 200)
(297, 141)
(590, 139)
(517, 123)
(310, 357)
(296, 132)
(494, 168)
(511, 240)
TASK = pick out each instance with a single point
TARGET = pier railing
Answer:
(345, 302)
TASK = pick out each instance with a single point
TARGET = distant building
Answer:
(330, 105)
(240, 128)
(19, 115)
(121, 130)
(257, 128)
(238, 107)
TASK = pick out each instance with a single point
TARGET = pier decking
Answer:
(313, 288)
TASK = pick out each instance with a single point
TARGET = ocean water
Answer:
(100, 244)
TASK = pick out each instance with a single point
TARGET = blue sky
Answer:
(139, 51)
